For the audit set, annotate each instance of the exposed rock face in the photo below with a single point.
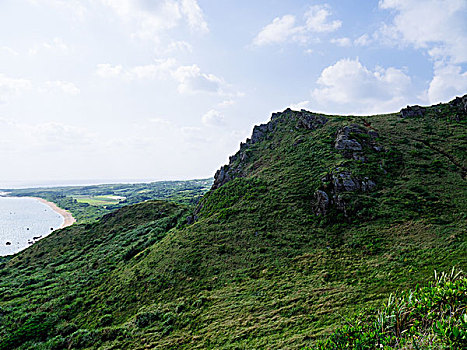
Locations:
(227, 173)
(345, 142)
(322, 202)
(309, 120)
(235, 168)
(351, 139)
(412, 111)
(460, 104)
(352, 142)
(336, 183)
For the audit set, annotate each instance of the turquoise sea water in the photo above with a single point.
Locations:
(24, 221)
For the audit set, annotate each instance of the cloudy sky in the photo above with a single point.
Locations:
(166, 89)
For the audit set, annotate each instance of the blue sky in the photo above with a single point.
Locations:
(167, 89)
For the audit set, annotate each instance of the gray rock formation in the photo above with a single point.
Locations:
(334, 185)
(412, 111)
(350, 141)
(322, 202)
(460, 104)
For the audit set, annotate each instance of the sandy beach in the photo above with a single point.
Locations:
(69, 219)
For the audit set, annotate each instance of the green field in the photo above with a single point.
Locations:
(99, 200)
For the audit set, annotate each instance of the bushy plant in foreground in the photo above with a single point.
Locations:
(431, 317)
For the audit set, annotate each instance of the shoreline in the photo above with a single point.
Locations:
(68, 218)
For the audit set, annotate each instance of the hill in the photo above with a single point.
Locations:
(316, 217)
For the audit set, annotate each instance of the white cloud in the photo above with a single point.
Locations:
(317, 19)
(151, 18)
(58, 134)
(9, 51)
(448, 81)
(348, 83)
(194, 15)
(226, 103)
(299, 105)
(213, 118)
(76, 7)
(56, 45)
(106, 70)
(11, 87)
(194, 136)
(160, 122)
(439, 26)
(181, 46)
(280, 30)
(161, 68)
(363, 40)
(62, 86)
(284, 28)
(48, 136)
(343, 42)
(192, 80)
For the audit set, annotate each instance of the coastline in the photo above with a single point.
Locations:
(68, 218)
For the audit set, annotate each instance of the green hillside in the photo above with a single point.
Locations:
(314, 219)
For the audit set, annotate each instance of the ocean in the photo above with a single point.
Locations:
(24, 221)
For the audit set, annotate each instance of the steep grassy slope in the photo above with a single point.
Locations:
(50, 283)
(314, 218)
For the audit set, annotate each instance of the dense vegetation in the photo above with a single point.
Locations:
(88, 203)
(431, 317)
(266, 262)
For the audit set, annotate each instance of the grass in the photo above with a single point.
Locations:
(258, 269)
(99, 200)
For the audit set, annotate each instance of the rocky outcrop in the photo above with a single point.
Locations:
(322, 202)
(343, 181)
(310, 121)
(412, 111)
(334, 185)
(459, 105)
(302, 120)
(352, 141)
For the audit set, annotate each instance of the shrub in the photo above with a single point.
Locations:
(430, 316)
(106, 320)
(37, 327)
(145, 319)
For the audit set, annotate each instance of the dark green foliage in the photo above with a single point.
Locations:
(432, 317)
(35, 327)
(144, 319)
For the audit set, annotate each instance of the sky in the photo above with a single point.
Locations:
(132, 90)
